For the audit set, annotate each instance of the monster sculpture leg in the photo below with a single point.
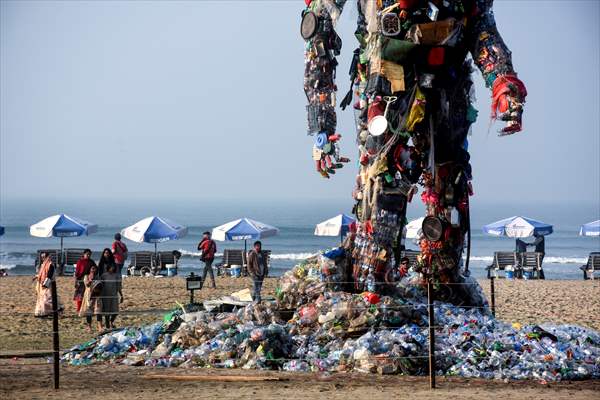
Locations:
(413, 112)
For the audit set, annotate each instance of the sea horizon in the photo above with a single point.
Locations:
(296, 218)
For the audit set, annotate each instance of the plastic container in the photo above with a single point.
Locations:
(236, 271)
(527, 275)
(510, 274)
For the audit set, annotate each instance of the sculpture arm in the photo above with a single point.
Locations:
(322, 45)
(493, 58)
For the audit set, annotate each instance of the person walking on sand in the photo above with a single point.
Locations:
(120, 252)
(82, 268)
(258, 269)
(207, 248)
(112, 295)
(43, 281)
(92, 298)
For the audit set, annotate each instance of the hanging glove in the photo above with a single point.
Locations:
(508, 97)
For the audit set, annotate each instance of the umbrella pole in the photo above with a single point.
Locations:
(245, 246)
(60, 263)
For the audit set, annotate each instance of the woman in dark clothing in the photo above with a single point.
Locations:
(84, 264)
(112, 295)
(106, 259)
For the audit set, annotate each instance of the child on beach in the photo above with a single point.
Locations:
(92, 301)
(111, 287)
(82, 268)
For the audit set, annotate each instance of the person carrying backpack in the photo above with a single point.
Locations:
(207, 248)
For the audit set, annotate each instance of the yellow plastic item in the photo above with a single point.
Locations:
(417, 111)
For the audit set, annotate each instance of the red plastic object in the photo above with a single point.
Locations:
(405, 3)
(334, 138)
(376, 108)
(372, 298)
(436, 56)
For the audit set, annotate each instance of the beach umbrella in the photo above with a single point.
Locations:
(154, 230)
(62, 226)
(413, 228)
(518, 227)
(336, 226)
(590, 229)
(243, 229)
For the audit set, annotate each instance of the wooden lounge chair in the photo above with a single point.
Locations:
(167, 257)
(411, 255)
(70, 257)
(54, 256)
(233, 257)
(532, 262)
(592, 265)
(142, 263)
(503, 259)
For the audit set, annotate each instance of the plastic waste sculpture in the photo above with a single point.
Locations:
(413, 97)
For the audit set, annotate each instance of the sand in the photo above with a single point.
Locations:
(146, 299)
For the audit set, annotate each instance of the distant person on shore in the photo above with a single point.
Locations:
(520, 246)
(120, 252)
(107, 259)
(207, 248)
(539, 245)
(258, 269)
(43, 279)
(92, 301)
(82, 268)
(112, 295)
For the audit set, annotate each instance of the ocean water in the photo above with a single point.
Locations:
(565, 250)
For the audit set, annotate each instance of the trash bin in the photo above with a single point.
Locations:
(171, 269)
(509, 272)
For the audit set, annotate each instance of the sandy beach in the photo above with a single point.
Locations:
(146, 299)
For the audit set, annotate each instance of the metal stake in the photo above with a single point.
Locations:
(431, 335)
(55, 337)
(493, 295)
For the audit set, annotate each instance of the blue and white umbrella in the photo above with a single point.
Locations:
(590, 229)
(243, 229)
(518, 227)
(154, 230)
(62, 226)
(336, 226)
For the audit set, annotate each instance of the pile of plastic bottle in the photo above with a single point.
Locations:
(338, 331)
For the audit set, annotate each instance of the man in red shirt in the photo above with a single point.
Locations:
(207, 248)
(119, 250)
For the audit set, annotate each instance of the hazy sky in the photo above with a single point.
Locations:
(203, 99)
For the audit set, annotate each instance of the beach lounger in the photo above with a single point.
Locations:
(592, 265)
(54, 255)
(71, 256)
(411, 255)
(167, 258)
(142, 263)
(503, 259)
(233, 257)
(531, 263)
